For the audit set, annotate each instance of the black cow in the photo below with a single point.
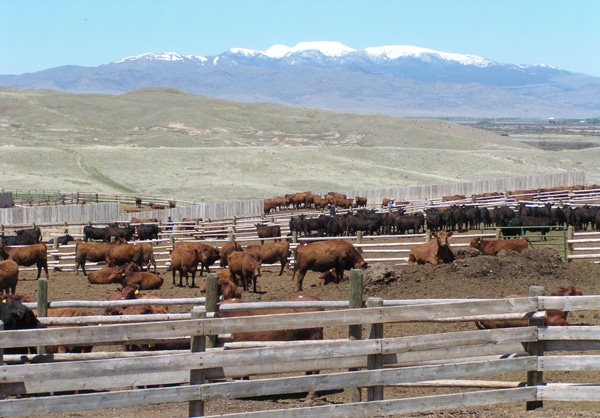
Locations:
(19, 240)
(520, 224)
(147, 231)
(268, 231)
(121, 232)
(405, 223)
(17, 316)
(318, 224)
(34, 233)
(64, 240)
(94, 233)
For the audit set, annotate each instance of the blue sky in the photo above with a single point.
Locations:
(41, 34)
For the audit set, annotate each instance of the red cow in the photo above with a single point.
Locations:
(208, 254)
(494, 246)
(135, 220)
(68, 313)
(271, 253)
(184, 261)
(148, 256)
(268, 231)
(125, 253)
(9, 276)
(553, 317)
(246, 266)
(109, 275)
(322, 256)
(225, 286)
(92, 251)
(144, 280)
(227, 249)
(27, 255)
(434, 252)
(122, 293)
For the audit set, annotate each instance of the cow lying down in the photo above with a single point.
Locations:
(553, 318)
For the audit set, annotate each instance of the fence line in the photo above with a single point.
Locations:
(417, 360)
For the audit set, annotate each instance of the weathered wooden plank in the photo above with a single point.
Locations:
(572, 332)
(558, 392)
(569, 363)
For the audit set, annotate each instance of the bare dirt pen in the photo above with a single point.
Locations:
(468, 277)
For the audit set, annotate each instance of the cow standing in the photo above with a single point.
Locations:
(271, 253)
(27, 256)
(323, 256)
(184, 261)
(246, 266)
(268, 231)
(9, 276)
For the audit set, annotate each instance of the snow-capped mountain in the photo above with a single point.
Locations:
(399, 80)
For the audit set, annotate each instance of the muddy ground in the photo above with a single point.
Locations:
(471, 276)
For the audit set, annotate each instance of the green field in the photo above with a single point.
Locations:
(163, 142)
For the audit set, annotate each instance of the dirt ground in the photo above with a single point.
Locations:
(470, 276)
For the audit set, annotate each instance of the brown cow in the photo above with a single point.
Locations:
(360, 201)
(184, 261)
(144, 280)
(67, 313)
(494, 246)
(554, 317)
(208, 253)
(92, 251)
(322, 256)
(148, 256)
(122, 293)
(434, 252)
(227, 249)
(271, 253)
(277, 335)
(125, 253)
(27, 255)
(225, 286)
(246, 266)
(138, 202)
(108, 275)
(268, 231)
(156, 206)
(135, 220)
(9, 276)
(188, 224)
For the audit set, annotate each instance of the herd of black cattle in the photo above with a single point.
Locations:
(514, 222)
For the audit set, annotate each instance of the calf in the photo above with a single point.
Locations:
(9, 276)
(434, 252)
(122, 293)
(494, 246)
(144, 280)
(109, 275)
(63, 240)
(27, 256)
(208, 253)
(225, 286)
(246, 266)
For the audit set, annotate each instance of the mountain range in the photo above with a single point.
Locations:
(395, 80)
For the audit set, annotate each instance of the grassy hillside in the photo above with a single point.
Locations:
(164, 142)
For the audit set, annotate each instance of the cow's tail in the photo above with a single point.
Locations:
(528, 242)
(295, 262)
(479, 325)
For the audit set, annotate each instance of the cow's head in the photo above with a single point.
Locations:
(442, 238)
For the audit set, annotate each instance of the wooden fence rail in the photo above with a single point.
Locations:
(415, 360)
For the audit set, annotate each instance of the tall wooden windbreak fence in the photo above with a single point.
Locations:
(55, 204)
(372, 362)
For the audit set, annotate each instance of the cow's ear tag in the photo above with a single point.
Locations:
(137, 291)
(3, 300)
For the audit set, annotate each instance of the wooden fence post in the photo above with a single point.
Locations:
(197, 376)
(535, 378)
(42, 304)
(212, 296)
(427, 235)
(498, 233)
(355, 331)
(569, 238)
(359, 240)
(375, 361)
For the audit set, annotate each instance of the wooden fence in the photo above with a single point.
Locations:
(459, 359)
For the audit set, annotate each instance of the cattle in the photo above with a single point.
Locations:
(295, 224)
(434, 219)
(125, 253)
(109, 275)
(24, 237)
(553, 317)
(63, 240)
(275, 252)
(135, 220)
(184, 261)
(144, 280)
(360, 201)
(246, 266)
(120, 232)
(268, 231)
(188, 224)
(147, 231)
(519, 224)
(93, 252)
(68, 313)
(435, 252)
(95, 233)
(318, 224)
(404, 223)
(227, 249)
(138, 202)
(225, 285)
(494, 246)
(146, 309)
(122, 293)
(156, 206)
(9, 276)
(322, 256)
(27, 256)
(17, 316)
(208, 253)
(148, 255)
(276, 335)
(172, 204)
(369, 223)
